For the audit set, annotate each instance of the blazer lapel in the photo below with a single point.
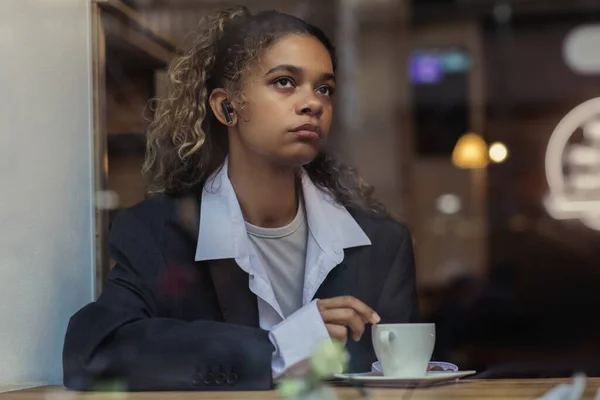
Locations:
(238, 304)
(341, 281)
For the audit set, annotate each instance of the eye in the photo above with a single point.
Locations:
(326, 90)
(284, 83)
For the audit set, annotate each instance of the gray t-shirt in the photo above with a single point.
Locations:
(283, 252)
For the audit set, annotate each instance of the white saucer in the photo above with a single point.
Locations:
(377, 379)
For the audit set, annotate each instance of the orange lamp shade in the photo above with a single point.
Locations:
(470, 152)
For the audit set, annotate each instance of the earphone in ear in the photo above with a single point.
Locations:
(227, 110)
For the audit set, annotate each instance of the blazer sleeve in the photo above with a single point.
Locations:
(122, 339)
(398, 302)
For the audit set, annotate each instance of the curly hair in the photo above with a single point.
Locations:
(185, 142)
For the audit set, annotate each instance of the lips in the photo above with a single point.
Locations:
(308, 130)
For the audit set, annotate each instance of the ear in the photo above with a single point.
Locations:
(216, 101)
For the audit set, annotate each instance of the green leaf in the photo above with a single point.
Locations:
(291, 387)
(329, 358)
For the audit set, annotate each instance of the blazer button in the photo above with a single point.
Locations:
(198, 378)
(232, 378)
(220, 379)
(209, 378)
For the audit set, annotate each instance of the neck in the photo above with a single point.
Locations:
(266, 192)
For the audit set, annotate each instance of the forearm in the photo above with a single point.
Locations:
(164, 354)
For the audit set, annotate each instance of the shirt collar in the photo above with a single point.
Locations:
(222, 232)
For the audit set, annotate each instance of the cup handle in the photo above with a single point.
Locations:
(386, 338)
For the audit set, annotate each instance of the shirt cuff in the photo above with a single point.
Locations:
(295, 340)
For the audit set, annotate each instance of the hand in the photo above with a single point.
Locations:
(340, 313)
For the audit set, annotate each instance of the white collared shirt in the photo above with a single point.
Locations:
(222, 235)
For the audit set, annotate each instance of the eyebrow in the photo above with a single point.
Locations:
(299, 71)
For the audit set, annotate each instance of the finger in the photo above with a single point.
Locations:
(341, 315)
(350, 302)
(347, 317)
(338, 332)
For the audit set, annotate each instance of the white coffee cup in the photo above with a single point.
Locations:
(404, 350)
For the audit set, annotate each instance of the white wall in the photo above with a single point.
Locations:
(46, 220)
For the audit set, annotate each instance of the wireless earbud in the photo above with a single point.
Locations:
(227, 110)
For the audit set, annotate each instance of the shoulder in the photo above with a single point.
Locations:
(381, 227)
(154, 208)
(154, 214)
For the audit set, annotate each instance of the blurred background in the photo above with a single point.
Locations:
(478, 123)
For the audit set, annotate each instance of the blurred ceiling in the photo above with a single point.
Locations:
(365, 4)
(422, 10)
(436, 10)
(519, 4)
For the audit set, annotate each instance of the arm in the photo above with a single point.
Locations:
(121, 336)
(297, 337)
(295, 340)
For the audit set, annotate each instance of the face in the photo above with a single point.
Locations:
(287, 112)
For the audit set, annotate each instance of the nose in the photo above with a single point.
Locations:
(312, 106)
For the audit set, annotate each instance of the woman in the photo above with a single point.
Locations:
(256, 245)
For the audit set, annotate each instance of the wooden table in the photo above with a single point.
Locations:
(467, 389)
